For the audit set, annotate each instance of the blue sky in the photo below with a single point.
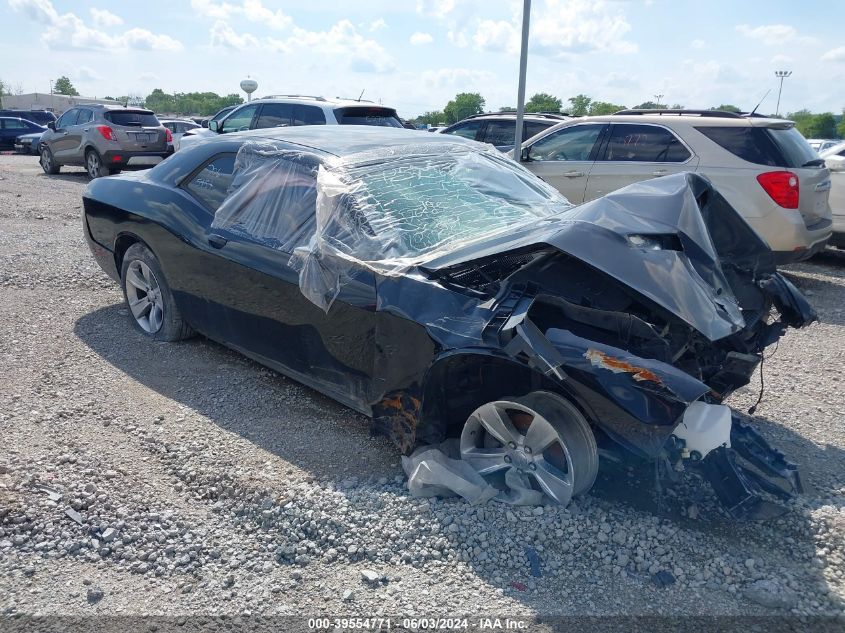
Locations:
(417, 54)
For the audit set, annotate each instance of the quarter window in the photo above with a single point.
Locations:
(211, 184)
(644, 143)
(570, 143)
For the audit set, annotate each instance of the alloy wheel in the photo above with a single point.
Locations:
(46, 161)
(542, 436)
(92, 162)
(143, 294)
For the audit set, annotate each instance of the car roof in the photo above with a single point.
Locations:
(344, 140)
(689, 119)
(333, 102)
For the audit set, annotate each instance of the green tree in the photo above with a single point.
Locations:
(463, 105)
(817, 126)
(650, 105)
(184, 103)
(840, 129)
(727, 108)
(580, 105)
(507, 109)
(598, 108)
(433, 118)
(65, 87)
(543, 102)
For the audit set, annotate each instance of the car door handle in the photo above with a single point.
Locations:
(86, 129)
(217, 241)
(574, 174)
(659, 172)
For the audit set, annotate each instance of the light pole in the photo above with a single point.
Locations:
(781, 74)
(658, 97)
(523, 65)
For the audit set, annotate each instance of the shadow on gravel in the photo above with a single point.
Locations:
(70, 176)
(213, 381)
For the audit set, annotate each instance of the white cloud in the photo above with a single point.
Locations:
(252, 10)
(69, 32)
(225, 36)
(343, 41)
(105, 18)
(86, 73)
(780, 59)
(438, 9)
(834, 55)
(418, 38)
(697, 44)
(458, 38)
(559, 28)
(772, 34)
(377, 25)
(457, 77)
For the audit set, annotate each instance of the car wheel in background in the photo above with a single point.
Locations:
(48, 163)
(94, 164)
(543, 436)
(148, 297)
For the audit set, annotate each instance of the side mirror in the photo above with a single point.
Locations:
(524, 154)
(204, 123)
(214, 126)
(52, 125)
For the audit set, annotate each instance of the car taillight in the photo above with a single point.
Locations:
(168, 135)
(782, 187)
(106, 132)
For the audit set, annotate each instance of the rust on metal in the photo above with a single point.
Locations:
(397, 414)
(617, 366)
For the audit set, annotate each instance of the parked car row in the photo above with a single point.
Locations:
(764, 167)
(834, 158)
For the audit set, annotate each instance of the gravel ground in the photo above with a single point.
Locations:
(177, 479)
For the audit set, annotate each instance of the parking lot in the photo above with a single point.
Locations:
(219, 486)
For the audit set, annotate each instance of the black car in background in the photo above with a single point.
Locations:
(40, 117)
(498, 128)
(11, 128)
(437, 286)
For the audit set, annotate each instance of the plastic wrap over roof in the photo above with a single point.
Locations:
(386, 209)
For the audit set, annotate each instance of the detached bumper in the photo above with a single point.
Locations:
(741, 474)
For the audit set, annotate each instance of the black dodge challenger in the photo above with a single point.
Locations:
(436, 286)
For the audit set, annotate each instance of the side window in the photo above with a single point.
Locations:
(240, 119)
(170, 126)
(308, 115)
(272, 202)
(644, 143)
(274, 115)
(570, 143)
(467, 130)
(67, 119)
(211, 183)
(533, 128)
(85, 116)
(14, 124)
(499, 132)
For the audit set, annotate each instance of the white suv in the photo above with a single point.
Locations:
(762, 166)
(284, 110)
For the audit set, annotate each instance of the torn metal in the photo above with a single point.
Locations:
(481, 281)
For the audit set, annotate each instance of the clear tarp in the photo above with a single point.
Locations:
(385, 210)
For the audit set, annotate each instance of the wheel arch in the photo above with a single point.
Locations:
(460, 381)
(122, 244)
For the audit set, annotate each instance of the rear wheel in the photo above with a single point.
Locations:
(541, 435)
(48, 163)
(148, 297)
(94, 165)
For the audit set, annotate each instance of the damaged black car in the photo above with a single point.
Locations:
(436, 286)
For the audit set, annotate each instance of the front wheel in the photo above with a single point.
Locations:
(94, 165)
(542, 436)
(148, 297)
(48, 163)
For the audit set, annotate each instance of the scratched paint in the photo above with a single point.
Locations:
(617, 366)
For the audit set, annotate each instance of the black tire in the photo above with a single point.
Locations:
(48, 163)
(94, 164)
(169, 324)
(114, 170)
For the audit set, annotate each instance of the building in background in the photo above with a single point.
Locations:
(52, 102)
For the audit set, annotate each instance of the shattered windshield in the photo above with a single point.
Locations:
(415, 205)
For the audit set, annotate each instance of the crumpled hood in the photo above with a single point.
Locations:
(684, 275)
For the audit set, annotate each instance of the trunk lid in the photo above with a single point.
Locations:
(137, 130)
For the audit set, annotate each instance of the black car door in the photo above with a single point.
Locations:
(252, 298)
